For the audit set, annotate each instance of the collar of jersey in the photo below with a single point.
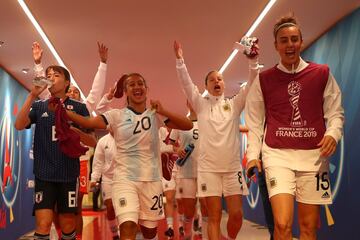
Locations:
(133, 110)
(215, 98)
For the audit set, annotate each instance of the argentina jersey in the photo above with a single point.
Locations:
(189, 169)
(137, 142)
(50, 164)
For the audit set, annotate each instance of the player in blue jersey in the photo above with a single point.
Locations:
(56, 174)
(137, 187)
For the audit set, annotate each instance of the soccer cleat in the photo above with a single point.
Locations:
(196, 224)
(169, 233)
(167, 164)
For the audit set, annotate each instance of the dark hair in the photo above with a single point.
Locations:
(125, 77)
(207, 76)
(286, 21)
(62, 70)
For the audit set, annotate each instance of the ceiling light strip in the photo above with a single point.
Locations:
(249, 32)
(47, 41)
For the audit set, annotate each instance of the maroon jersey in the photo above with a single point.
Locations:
(294, 106)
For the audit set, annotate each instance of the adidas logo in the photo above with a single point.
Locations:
(45, 114)
(128, 120)
(325, 195)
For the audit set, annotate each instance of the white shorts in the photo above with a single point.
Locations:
(217, 184)
(137, 201)
(307, 187)
(106, 190)
(186, 188)
(169, 185)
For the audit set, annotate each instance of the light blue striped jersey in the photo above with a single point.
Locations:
(189, 169)
(137, 144)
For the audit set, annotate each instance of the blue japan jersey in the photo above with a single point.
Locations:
(50, 164)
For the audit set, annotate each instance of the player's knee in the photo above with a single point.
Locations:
(308, 228)
(283, 226)
(128, 229)
(236, 216)
(148, 233)
(43, 225)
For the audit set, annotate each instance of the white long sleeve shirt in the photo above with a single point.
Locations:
(104, 104)
(218, 122)
(104, 159)
(301, 160)
(97, 88)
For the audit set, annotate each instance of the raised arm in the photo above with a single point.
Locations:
(98, 85)
(37, 52)
(175, 121)
(253, 62)
(23, 119)
(191, 91)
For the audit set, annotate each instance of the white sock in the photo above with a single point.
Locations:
(181, 220)
(170, 222)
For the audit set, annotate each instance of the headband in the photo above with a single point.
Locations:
(286, 24)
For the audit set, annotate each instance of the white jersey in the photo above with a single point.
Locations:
(104, 159)
(218, 121)
(189, 169)
(137, 144)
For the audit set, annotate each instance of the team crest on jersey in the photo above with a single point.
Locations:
(38, 197)
(122, 202)
(226, 107)
(273, 182)
(203, 187)
(70, 107)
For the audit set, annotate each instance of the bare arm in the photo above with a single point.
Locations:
(87, 122)
(86, 138)
(175, 121)
(22, 119)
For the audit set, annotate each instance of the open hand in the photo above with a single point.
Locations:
(103, 52)
(328, 146)
(37, 52)
(178, 50)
